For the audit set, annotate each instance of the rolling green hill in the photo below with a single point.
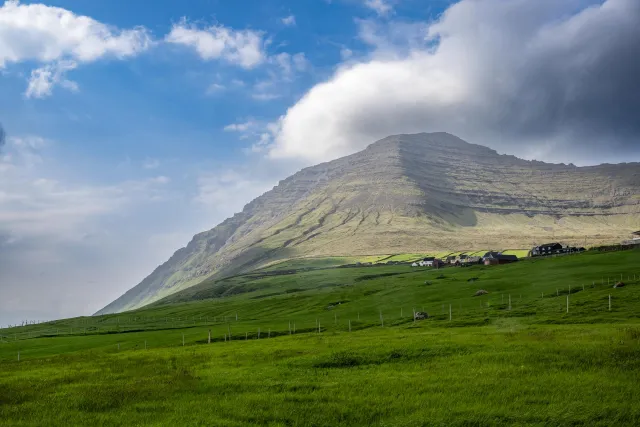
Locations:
(424, 193)
(512, 357)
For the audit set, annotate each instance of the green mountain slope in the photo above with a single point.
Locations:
(407, 193)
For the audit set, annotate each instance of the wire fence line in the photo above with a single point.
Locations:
(196, 330)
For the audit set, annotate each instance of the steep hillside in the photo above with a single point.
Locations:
(408, 193)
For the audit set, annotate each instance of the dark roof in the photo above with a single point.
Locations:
(637, 233)
(508, 257)
(429, 258)
(491, 255)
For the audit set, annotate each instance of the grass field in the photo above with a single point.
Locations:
(487, 363)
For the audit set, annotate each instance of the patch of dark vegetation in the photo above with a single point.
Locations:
(352, 359)
(294, 290)
(331, 285)
(335, 304)
(375, 276)
(441, 276)
(225, 290)
(371, 292)
(273, 294)
(473, 279)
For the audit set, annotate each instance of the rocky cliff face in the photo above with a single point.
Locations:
(408, 193)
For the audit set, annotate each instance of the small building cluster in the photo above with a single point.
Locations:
(464, 260)
(554, 249)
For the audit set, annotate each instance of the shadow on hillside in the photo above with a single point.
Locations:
(430, 162)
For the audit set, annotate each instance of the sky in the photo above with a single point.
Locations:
(130, 128)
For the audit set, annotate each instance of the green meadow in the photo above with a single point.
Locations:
(552, 343)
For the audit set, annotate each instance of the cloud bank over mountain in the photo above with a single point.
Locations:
(541, 79)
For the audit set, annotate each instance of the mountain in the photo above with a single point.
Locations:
(408, 193)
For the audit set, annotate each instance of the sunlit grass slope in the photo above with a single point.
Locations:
(512, 357)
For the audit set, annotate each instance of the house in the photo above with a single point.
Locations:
(490, 255)
(451, 259)
(547, 249)
(437, 263)
(635, 236)
(470, 260)
(497, 259)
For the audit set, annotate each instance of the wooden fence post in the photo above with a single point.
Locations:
(349, 325)
(183, 340)
(209, 339)
(450, 315)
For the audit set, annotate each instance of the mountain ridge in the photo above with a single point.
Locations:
(409, 192)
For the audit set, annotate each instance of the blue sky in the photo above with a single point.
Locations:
(134, 125)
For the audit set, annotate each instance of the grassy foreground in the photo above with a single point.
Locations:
(498, 375)
(529, 364)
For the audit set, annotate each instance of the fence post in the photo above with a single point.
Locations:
(450, 316)
(269, 333)
(609, 302)
(567, 303)
(509, 302)
(183, 340)
(349, 325)
(381, 319)
(209, 340)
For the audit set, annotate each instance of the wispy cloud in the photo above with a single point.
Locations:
(381, 7)
(289, 21)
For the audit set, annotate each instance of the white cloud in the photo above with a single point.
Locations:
(513, 75)
(43, 79)
(244, 48)
(61, 40)
(240, 127)
(215, 88)
(345, 53)
(381, 7)
(289, 21)
(151, 163)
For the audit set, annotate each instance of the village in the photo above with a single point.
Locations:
(498, 258)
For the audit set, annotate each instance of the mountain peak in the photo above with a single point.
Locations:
(408, 193)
